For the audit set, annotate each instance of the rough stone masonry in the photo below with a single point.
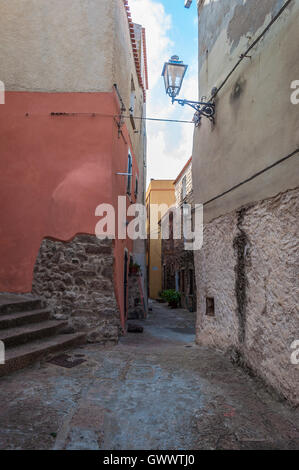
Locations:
(249, 266)
(76, 280)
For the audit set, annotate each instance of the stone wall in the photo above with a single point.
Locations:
(76, 280)
(248, 267)
(176, 259)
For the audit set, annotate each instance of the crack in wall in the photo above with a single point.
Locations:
(241, 246)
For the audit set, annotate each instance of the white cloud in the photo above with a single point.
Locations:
(169, 144)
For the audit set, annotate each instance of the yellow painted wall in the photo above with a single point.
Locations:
(158, 192)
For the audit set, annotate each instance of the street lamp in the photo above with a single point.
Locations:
(188, 3)
(173, 73)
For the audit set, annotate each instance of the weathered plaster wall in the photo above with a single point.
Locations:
(249, 260)
(70, 46)
(76, 280)
(47, 46)
(256, 123)
(55, 170)
(54, 175)
(249, 264)
(124, 71)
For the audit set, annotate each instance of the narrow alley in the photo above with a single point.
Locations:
(153, 390)
(149, 249)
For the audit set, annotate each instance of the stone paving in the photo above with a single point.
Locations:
(154, 390)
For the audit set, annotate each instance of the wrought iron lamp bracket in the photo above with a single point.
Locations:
(202, 108)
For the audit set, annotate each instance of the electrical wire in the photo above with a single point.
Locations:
(243, 56)
(159, 119)
(253, 176)
(91, 114)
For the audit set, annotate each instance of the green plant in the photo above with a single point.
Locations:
(172, 296)
(134, 267)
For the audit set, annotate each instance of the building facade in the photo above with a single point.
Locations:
(178, 263)
(246, 173)
(160, 193)
(70, 142)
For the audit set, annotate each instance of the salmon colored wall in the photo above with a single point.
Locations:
(54, 172)
(120, 164)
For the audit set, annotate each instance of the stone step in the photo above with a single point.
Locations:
(21, 318)
(10, 303)
(20, 335)
(26, 354)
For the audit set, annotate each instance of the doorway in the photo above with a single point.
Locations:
(125, 283)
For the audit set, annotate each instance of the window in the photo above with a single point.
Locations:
(132, 104)
(129, 180)
(184, 187)
(136, 187)
(210, 306)
(192, 221)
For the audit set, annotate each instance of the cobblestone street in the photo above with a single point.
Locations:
(154, 390)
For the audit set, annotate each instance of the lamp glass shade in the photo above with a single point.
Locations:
(173, 74)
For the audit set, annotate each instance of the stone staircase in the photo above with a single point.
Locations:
(28, 333)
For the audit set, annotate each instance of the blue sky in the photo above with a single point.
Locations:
(184, 28)
(170, 29)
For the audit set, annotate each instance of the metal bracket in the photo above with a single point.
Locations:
(121, 120)
(202, 108)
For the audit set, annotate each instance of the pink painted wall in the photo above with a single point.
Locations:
(54, 172)
(120, 165)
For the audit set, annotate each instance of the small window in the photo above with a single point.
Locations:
(129, 180)
(210, 306)
(136, 187)
(184, 187)
(132, 104)
(192, 220)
